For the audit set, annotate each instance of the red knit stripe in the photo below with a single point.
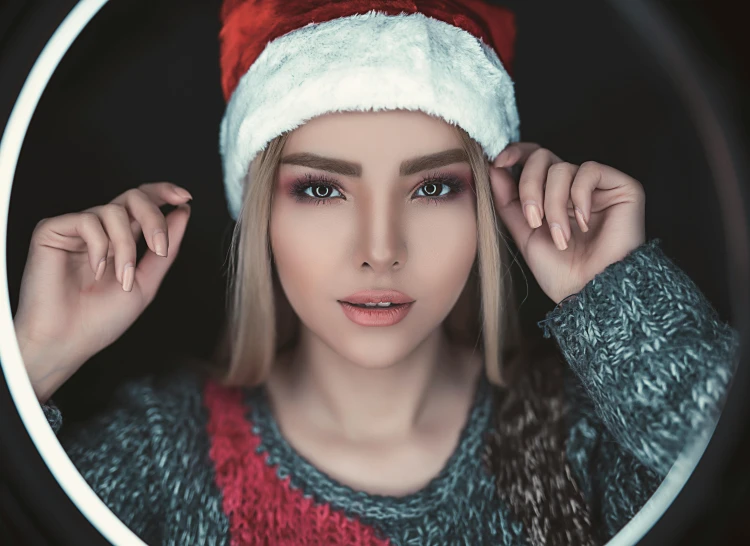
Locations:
(262, 509)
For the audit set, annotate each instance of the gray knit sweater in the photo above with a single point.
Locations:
(570, 458)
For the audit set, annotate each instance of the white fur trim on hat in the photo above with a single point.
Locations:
(364, 62)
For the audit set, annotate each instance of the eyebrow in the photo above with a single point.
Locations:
(346, 168)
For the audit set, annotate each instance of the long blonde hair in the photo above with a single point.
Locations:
(261, 322)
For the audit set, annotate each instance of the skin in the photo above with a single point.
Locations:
(600, 211)
(379, 408)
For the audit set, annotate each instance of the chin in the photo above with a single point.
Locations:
(375, 354)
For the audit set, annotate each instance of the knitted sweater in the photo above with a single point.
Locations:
(568, 458)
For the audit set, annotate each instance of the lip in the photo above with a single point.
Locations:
(377, 296)
(386, 316)
(376, 316)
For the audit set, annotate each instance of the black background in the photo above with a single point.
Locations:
(137, 99)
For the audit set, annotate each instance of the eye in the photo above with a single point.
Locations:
(434, 189)
(322, 191)
(439, 188)
(317, 190)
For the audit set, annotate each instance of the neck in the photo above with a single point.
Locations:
(363, 403)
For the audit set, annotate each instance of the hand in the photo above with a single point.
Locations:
(81, 288)
(589, 216)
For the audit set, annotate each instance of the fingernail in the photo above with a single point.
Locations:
(579, 215)
(160, 242)
(100, 268)
(128, 277)
(559, 238)
(183, 193)
(534, 216)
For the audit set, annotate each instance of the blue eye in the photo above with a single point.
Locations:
(434, 189)
(317, 190)
(439, 188)
(321, 191)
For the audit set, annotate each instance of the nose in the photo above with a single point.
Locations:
(381, 243)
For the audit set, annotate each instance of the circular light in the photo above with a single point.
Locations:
(66, 474)
(77, 489)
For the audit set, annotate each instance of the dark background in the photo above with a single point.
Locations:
(137, 99)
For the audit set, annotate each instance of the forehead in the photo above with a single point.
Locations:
(393, 134)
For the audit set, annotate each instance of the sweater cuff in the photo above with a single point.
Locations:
(650, 351)
(53, 415)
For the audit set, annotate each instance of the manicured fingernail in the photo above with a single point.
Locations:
(579, 215)
(533, 216)
(559, 237)
(100, 268)
(128, 277)
(183, 193)
(160, 242)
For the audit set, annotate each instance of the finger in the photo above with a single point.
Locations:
(161, 193)
(147, 219)
(152, 269)
(90, 229)
(508, 206)
(116, 222)
(591, 176)
(517, 152)
(531, 184)
(556, 197)
(68, 231)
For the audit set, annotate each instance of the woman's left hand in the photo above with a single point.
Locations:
(608, 225)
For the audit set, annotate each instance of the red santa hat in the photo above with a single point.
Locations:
(284, 62)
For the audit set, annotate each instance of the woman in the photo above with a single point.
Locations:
(372, 388)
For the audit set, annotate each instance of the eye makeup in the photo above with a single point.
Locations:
(319, 189)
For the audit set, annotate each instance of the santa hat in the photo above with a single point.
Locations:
(284, 62)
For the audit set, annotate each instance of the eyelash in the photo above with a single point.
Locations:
(299, 188)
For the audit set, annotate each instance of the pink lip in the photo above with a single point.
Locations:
(375, 316)
(385, 316)
(377, 296)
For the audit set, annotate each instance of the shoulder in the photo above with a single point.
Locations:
(147, 456)
(161, 402)
(161, 389)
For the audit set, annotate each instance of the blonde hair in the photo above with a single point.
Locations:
(261, 322)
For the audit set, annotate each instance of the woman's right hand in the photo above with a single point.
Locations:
(81, 287)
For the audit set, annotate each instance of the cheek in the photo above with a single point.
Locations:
(304, 244)
(443, 249)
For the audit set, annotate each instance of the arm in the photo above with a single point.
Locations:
(116, 453)
(651, 364)
(614, 483)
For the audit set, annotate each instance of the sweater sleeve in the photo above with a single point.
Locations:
(117, 452)
(651, 366)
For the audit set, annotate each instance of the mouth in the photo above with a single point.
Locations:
(377, 307)
(372, 299)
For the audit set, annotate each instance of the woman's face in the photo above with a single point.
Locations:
(371, 201)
